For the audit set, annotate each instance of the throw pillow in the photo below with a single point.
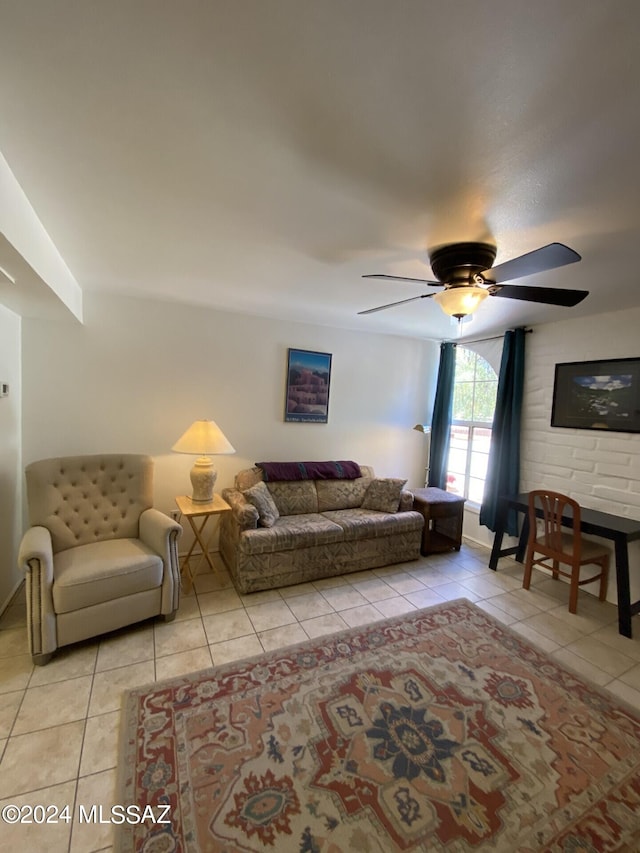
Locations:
(383, 495)
(261, 499)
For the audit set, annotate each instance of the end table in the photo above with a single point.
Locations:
(192, 510)
(443, 516)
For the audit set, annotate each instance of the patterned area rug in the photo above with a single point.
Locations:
(438, 730)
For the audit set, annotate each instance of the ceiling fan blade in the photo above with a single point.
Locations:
(546, 258)
(402, 278)
(544, 295)
(392, 304)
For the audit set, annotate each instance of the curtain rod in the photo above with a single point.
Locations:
(482, 340)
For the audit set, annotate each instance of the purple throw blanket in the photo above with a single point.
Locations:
(310, 470)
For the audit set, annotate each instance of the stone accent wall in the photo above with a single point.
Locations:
(598, 468)
(601, 470)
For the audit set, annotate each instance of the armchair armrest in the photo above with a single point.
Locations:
(36, 553)
(35, 558)
(157, 530)
(244, 514)
(161, 534)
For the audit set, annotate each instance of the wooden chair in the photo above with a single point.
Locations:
(548, 542)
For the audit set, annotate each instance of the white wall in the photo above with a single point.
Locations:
(10, 455)
(138, 372)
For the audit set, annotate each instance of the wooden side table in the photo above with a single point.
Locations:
(443, 516)
(193, 510)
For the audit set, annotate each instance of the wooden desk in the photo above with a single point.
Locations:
(192, 510)
(618, 529)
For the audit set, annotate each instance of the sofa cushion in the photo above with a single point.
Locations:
(369, 524)
(294, 498)
(383, 495)
(341, 494)
(292, 531)
(103, 571)
(260, 497)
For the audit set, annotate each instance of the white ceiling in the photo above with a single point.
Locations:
(262, 155)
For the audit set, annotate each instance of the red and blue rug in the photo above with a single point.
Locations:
(441, 730)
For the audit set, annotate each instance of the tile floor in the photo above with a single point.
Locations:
(59, 723)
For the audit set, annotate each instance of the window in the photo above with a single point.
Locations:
(474, 400)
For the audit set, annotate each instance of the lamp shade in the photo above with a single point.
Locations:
(460, 301)
(203, 438)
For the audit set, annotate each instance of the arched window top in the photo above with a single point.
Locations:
(475, 388)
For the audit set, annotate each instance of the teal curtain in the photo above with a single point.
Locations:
(503, 474)
(441, 421)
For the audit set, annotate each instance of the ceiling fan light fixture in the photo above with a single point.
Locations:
(461, 301)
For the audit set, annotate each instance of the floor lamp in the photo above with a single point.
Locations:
(426, 430)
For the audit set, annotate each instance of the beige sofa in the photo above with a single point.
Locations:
(322, 529)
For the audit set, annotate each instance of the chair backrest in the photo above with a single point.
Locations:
(549, 526)
(83, 499)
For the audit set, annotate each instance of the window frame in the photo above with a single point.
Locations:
(471, 425)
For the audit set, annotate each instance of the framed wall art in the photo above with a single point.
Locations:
(597, 395)
(307, 392)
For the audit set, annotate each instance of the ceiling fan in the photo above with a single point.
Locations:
(464, 271)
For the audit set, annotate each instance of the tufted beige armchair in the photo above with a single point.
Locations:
(97, 556)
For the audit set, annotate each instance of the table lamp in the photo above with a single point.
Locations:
(202, 439)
